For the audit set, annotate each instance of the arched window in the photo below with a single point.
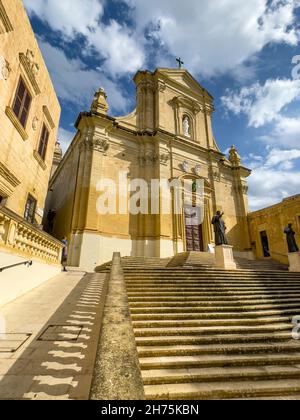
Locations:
(186, 126)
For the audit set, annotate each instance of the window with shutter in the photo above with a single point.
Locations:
(42, 150)
(22, 103)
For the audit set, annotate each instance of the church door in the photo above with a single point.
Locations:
(193, 230)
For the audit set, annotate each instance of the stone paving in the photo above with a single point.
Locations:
(51, 339)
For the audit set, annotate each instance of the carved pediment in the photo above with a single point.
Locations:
(181, 77)
(31, 69)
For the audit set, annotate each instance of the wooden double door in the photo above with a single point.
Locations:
(193, 230)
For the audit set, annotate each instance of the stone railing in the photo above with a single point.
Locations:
(21, 238)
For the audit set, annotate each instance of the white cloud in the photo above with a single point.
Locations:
(262, 104)
(117, 45)
(65, 137)
(286, 132)
(278, 156)
(268, 187)
(68, 16)
(267, 106)
(212, 38)
(76, 83)
(273, 178)
(113, 42)
(215, 38)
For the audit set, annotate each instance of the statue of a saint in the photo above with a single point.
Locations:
(220, 229)
(290, 237)
(186, 126)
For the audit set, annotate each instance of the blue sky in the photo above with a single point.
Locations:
(241, 52)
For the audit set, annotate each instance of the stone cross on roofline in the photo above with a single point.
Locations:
(180, 62)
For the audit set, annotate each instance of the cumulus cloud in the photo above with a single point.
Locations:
(211, 38)
(268, 187)
(274, 177)
(76, 83)
(262, 104)
(267, 106)
(112, 42)
(286, 132)
(68, 16)
(216, 38)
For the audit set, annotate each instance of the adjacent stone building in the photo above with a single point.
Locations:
(168, 136)
(29, 118)
(267, 229)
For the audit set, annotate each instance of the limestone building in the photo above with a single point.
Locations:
(29, 115)
(168, 136)
(29, 118)
(267, 229)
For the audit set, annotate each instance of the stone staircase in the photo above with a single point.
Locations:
(136, 263)
(204, 333)
(260, 265)
(205, 259)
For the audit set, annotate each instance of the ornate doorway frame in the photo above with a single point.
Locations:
(179, 227)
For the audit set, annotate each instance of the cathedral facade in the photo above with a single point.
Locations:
(169, 136)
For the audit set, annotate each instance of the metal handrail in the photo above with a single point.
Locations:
(28, 263)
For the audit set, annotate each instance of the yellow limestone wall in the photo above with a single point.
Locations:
(21, 171)
(273, 220)
(149, 144)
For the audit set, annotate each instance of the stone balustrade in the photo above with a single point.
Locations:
(19, 237)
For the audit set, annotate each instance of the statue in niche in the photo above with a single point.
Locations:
(186, 125)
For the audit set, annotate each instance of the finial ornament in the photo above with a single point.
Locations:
(99, 104)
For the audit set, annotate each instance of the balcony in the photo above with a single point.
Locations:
(21, 238)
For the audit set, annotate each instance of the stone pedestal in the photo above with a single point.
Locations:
(294, 262)
(224, 257)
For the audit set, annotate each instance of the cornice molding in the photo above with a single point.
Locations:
(5, 23)
(11, 115)
(39, 159)
(48, 117)
(9, 176)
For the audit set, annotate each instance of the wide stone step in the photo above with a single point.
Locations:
(225, 289)
(136, 276)
(235, 295)
(176, 362)
(177, 376)
(219, 305)
(257, 298)
(146, 332)
(167, 306)
(181, 315)
(238, 300)
(220, 290)
(181, 280)
(215, 339)
(229, 349)
(241, 287)
(223, 390)
(206, 269)
(200, 285)
(197, 286)
(211, 322)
